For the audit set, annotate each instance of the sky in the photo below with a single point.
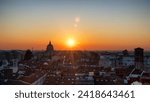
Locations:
(92, 24)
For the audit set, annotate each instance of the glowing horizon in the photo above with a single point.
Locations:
(93, 24)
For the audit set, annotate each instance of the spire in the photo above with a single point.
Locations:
(49, 42)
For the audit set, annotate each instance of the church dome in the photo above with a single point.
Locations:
(50, 48)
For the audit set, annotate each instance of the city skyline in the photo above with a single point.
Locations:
(77, 25)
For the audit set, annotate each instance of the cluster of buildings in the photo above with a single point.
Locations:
(25, 67)
(74, 67)
(130, 66)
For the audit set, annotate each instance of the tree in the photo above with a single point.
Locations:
(28, 55)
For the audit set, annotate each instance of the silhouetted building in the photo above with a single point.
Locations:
(125, 52)
(49, 50)
(139, 58)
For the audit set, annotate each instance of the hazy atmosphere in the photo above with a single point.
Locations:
(75, 24)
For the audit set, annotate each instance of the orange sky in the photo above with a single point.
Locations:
(99, 25)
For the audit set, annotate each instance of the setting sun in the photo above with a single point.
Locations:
(71, 42)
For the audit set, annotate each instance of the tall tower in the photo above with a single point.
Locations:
(139, 58)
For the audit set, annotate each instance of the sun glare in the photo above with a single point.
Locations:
(71, 42)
